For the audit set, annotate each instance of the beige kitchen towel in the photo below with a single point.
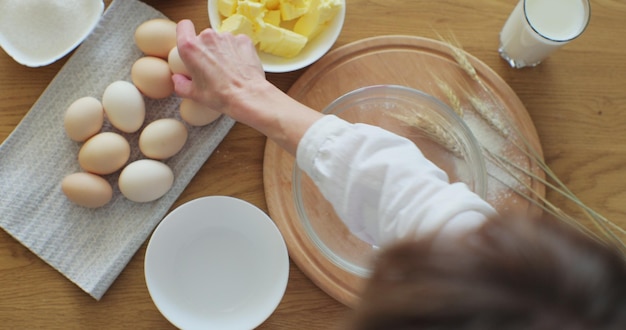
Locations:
(90, 247)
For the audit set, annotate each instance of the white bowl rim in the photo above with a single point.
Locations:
(26, 59)
(195, 217)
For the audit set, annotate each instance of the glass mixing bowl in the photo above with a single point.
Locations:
(442, 136)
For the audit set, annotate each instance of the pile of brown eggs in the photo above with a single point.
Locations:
(122, 104)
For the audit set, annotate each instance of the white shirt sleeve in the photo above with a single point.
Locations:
(381, 185)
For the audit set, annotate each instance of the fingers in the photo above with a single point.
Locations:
(182, 85)
(244, 45)
(243, 41)
(185, 31)
(219, 64)
(248, 54)
(185, 37)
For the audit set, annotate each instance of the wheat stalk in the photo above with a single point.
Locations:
(488, 107)
(533, 196)
(435, 132)
(453, 99)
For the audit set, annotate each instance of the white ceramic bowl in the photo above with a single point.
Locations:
(216, 263)
(313, 50)
(38, 33)
(460, 157)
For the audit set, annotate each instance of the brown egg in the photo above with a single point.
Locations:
(104, 153)
(176, 63)
(162, 138)
(83, 118)
(152, 76)
(86, 189)
(124, 106)
(196, 114)
(156, 37)
(145, 180)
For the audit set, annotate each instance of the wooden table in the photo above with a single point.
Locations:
(577, 100)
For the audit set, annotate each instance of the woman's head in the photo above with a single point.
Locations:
(522, 274)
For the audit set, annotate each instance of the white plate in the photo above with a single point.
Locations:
(311, 52)
(39, 32)
(216, 263)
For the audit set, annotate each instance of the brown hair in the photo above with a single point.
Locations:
(530, 274)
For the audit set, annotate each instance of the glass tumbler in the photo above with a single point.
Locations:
(537, 28)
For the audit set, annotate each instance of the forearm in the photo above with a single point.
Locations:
(273, 113)
(382, 186)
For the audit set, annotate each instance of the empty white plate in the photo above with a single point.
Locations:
(216, 263)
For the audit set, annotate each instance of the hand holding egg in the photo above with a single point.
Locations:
(218, 62)
(176, 63)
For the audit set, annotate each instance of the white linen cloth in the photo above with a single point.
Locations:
(89, 246)
(382, 186)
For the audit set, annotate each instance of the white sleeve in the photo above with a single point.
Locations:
(382, 186)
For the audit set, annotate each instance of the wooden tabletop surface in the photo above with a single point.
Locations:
(576, 99)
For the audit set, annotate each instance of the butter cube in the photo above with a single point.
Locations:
(250, 9)
(328, 9)
(320, 13)
(272, 17)
(272, 4)
(238, 24)
(226, 7)
(292, 9)
(278, 27)
(279, 41)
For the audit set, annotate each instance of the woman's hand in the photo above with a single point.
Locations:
(227, 76)
(224, 67)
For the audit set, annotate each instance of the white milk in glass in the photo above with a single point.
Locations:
(536, 28)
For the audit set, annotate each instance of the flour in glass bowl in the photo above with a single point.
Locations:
(501, 183)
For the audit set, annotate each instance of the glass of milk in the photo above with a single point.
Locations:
(536, 28)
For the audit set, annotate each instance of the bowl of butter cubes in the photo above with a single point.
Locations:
(288, 34)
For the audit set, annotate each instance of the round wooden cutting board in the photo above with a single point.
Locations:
(502, 127)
